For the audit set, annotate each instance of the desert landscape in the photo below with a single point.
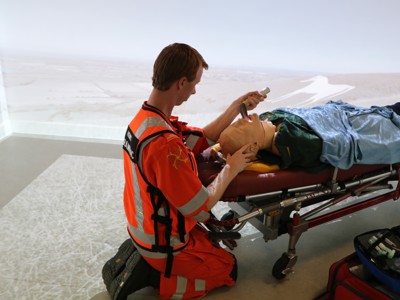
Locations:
(95, 99)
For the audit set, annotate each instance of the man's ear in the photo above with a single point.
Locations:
(181, 82)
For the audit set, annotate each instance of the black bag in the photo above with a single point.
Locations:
(379, 252)
(112, 272)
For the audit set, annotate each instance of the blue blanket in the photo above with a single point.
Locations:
(354, 135)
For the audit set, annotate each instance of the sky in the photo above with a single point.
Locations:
(341, 36)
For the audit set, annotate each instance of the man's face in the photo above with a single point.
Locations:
(189, 87)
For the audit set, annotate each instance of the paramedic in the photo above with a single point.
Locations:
(163, 198)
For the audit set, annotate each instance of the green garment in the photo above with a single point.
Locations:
(299, 146)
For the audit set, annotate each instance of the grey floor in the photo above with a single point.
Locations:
(22, 159)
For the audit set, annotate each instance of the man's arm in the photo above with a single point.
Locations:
(234, 165)
(214, 129)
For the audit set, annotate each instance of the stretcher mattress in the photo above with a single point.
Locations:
(249, 183)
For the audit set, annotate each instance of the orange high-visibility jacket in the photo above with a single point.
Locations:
(163, 196)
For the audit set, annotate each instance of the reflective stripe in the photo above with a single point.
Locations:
(139, 231)
(202, 216)
(191, 141)
(180, 287)
(195, 203)
(137, 198)
(147, 124)
(144, 144)
(210, 142)
(150, 238)
(151, 254)
(155, 255)
(144, 133)
(150, 122)
(199, 285)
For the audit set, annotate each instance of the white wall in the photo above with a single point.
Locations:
(5, 127)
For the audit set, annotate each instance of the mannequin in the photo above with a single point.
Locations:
(336, 133)
(259, 134)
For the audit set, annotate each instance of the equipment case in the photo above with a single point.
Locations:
(348, 279)
(379, 252)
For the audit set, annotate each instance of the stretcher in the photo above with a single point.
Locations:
(292, 201)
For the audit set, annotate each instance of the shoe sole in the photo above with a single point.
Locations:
(114, 267)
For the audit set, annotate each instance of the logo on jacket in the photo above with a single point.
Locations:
(177, 158)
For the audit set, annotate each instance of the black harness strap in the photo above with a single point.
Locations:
(132, 146)
(181, 227)
(165, 220)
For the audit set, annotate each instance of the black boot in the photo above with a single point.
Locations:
(137, 275)
(115, 266)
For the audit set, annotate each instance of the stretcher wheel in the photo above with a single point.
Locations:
(280, 267)
(230, 215)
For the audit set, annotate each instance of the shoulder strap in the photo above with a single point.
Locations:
(133, 146)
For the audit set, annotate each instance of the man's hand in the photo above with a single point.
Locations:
(240, 159)
(235, 164)
(252, 99)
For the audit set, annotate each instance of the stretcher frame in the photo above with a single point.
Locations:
(333, 194)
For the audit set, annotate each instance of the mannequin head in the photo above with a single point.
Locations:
(259, 134)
